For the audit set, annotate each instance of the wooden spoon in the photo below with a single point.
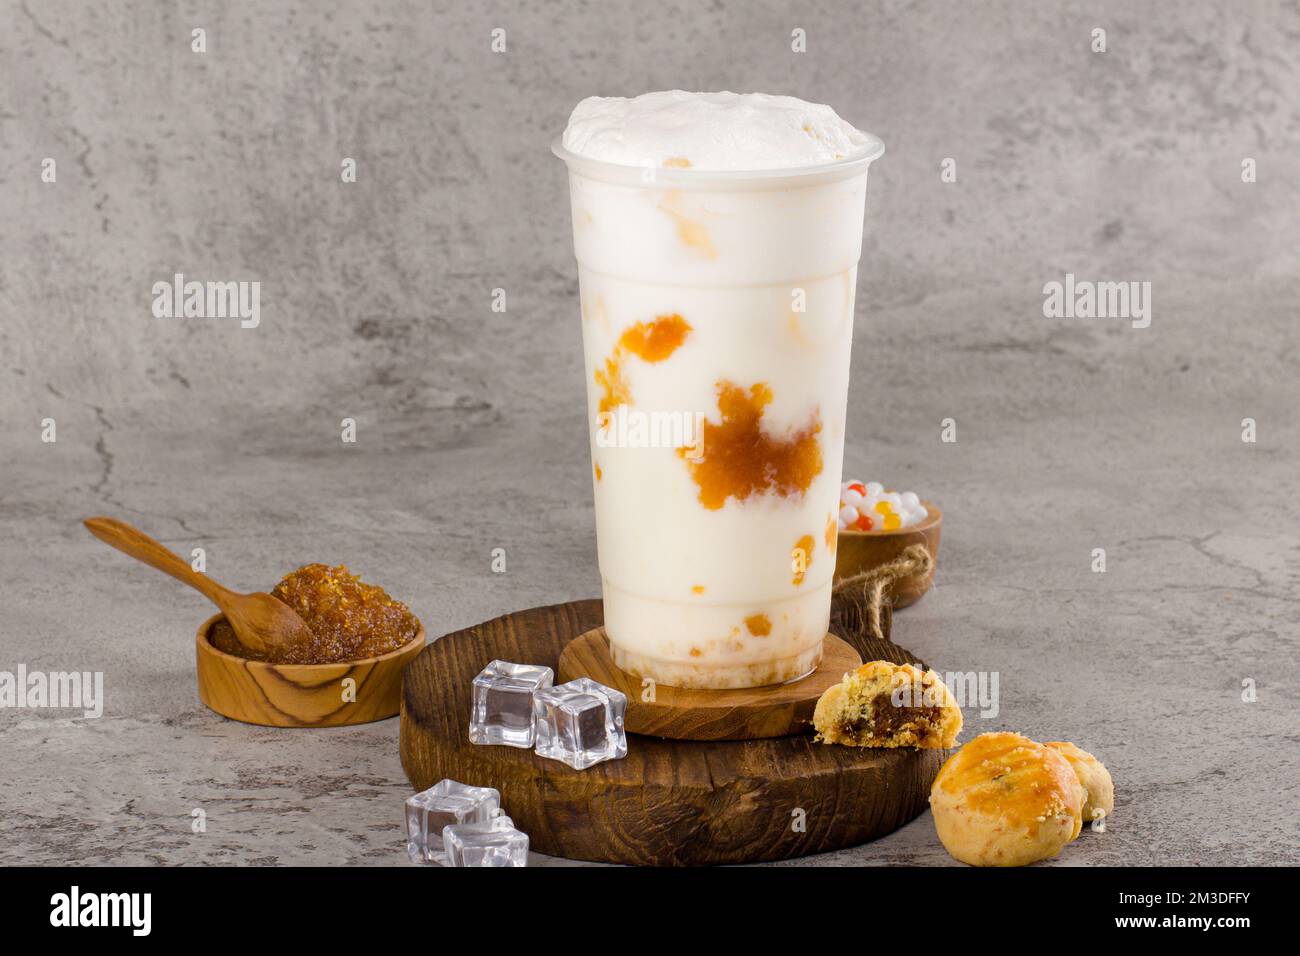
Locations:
(262, 624)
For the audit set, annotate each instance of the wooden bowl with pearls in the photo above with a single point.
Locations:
(859, 551)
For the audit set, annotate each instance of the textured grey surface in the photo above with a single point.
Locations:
(1072, 435)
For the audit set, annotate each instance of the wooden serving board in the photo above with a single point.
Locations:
(668, 802)
(683, 714)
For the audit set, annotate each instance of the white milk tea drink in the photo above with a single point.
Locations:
(717, 238)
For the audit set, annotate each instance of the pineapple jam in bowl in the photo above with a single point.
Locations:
(349, 673)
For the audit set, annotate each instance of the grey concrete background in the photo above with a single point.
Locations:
(1072, 435)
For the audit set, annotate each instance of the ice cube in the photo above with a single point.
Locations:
(494, 843)
(580, 723)
(502, 712)
(445, 803)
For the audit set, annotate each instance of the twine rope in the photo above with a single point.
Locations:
(866, 591)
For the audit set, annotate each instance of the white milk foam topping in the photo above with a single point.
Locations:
(710, 131)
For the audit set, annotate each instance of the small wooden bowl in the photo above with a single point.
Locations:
(301, 695)
(859, 551)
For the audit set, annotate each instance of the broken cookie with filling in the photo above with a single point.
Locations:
(888, 705)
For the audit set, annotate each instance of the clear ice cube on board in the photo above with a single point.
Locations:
(502, 709)
(580, 723)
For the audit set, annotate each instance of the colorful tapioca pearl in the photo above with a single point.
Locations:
(887, 510)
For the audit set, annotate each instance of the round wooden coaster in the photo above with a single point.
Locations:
(684, 714)
(668, 802)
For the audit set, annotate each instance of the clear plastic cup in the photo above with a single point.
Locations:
(717, 318)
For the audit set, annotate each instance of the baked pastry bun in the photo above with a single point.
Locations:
(1004, 800)
(1099, 799)
(888, 705)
